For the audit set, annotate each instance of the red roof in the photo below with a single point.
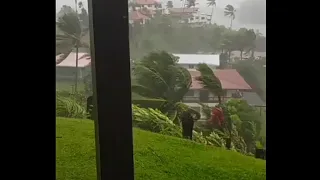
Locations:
(230, 80)
(136, 15)
(146, 2)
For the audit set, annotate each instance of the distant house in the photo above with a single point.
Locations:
(137, 17)
(191, 61)
(67, 68)
(231, 81)
(148, 4)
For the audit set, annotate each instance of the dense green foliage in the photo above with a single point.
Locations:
(244, 125)
(254, 72)
(158, 76)
(156, 157)
(165, 33)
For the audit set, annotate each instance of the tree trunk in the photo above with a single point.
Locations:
(241, 55)
(76, 78)
(211, 15)
(219, 99)
(229, 56)
(231, 23)
(252, 53)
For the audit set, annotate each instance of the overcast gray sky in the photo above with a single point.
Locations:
(251, 15)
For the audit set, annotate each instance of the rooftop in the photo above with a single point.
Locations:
(210, 59)
(70, 61)
(136, 15)
(230, 79)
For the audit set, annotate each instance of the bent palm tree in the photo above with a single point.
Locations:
(213, 4)
(69, 38)
(229, 10)
(210, 81)
(158, 76)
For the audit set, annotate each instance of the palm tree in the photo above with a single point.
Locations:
(169, 4)
(251, 37)
(229, 10)
(71, 33)
(210, 81)
(213, 4)
(191, 3)
(158, 76)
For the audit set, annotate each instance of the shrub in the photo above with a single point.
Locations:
(68, 107)
(155, 121)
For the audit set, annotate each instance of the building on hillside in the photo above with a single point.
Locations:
(148, 4)
(199, 19)
(67, 68)
(232, 83)
(181, 12)
(189, 15)
(191, 61)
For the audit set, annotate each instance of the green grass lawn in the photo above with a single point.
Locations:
(156, 157)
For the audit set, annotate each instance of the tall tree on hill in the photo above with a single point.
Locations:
(230, 11)
(251, 37)
(169, 4)
(211, 3)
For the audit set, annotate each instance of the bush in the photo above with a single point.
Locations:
(155, 121)
(68, 107)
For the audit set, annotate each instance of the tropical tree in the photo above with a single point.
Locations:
(71, 33)
(210, 81)
(191, 3)
(251, 36)
(158, 76)
(211, 3)
(230, 11)
(242, 41)
(169, 4)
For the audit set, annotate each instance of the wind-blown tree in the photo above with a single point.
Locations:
(210, 81)
(228, 43)
(158, 76)
(251, 37)
(213, 4)
(230, 11)
(169, 4)
(71, 33)
(242, 41)
(191, 3)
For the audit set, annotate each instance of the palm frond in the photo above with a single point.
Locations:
(152, 73)
(69, 24)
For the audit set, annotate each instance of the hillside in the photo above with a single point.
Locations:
(157, 157)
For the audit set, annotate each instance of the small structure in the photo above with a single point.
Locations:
(191, 61)
(232, 82)
(137, 17)
(67, 68)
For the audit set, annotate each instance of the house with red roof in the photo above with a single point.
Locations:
(232, 83)
(149, 4)
(65, 69)
(138, 17)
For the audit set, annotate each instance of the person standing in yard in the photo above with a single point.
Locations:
(217, 117)
(187, 121)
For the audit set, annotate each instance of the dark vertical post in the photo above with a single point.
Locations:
(112, 88)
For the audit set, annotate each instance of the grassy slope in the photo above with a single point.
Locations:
(157, 157)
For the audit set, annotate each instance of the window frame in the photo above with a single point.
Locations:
(112, 104)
